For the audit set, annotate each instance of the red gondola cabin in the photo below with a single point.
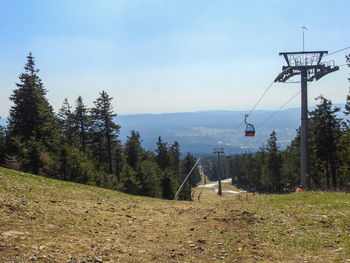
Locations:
(249, 130)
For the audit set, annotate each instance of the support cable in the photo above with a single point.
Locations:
(337, 51)
(250, 112)
(273, 114)
(261, 98)
(280, 108)
(180, 188)
(268, 87)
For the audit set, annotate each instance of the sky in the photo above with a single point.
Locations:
(160, 56)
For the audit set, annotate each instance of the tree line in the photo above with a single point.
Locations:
(82, 145)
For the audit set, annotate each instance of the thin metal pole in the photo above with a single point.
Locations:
(303, 28)
(218, 151)
(219, 174)
(304, 137)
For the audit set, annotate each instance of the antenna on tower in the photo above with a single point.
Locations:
(303, 28)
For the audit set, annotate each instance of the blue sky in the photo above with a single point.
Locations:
(170, 56)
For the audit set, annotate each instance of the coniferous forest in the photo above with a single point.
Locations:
(81, 144)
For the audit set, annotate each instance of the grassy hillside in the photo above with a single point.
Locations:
(45, 220)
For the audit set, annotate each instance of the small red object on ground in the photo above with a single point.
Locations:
(220, 192)
(298, 190)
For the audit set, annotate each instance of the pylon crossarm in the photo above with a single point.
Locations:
(291, 57)
(326, 71)
(286, 74)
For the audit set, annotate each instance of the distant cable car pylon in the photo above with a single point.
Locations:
(249, 128)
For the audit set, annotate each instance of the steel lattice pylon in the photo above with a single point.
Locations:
(308, 65)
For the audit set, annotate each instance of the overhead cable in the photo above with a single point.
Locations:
(336, 51)
(269, 117)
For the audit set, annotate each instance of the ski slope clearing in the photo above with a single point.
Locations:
(45, 220)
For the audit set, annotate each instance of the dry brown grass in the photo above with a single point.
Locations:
(44, 220)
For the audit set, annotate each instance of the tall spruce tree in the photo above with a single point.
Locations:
(2, 144)
(65, 116)
(119, 159)
(273, 164)
(291, 164)
(324, 134)
(31, 115)
(104, 128)
(175, 154)
(150, 179)
(344, 145)
(163, 156)
(32, 123)
(82, 123)
(133, 149)
(236, 166)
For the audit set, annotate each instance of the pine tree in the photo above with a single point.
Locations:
(82, 123)
(169, 184)
(344, 161)
(31, 115)
(150, 179)
(325, 134)
(347, 106)
(236, 170)
(133, 149)
(175, 157)
(163, 156)
(65, 116)
(32, 123)
(253, 178)
(119, 159)
(291, 164)
(273, 163)
(130, 183)
(104, 129)
(2, 144)
(344, 145)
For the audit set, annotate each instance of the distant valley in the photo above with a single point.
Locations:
(199, 132)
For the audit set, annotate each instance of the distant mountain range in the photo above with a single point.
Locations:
(199, 132)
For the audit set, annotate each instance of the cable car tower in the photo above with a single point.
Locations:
(219, 151)
(308, 65)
